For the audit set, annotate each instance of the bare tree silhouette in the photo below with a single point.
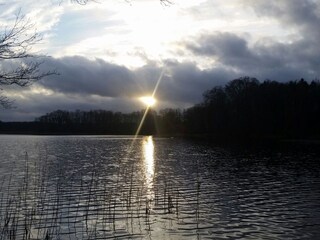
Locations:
(18, 65)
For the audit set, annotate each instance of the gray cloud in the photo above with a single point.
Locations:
(303, 15)
(264, 59)
(298, 56)
(83, 76)
(227, 48)
(182, 82)
(187, 82)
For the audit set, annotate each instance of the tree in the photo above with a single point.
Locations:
(18, 65)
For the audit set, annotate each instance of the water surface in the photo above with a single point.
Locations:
(100, 187)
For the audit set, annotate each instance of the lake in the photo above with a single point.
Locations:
(119, 187)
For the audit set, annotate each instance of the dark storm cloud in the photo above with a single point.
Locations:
(83, 76)
(227, 48)
(264, 59)
(182, 82)
(186, 82)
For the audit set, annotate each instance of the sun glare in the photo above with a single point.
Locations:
(148, 101)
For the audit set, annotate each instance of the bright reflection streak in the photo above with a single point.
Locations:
(148, 151)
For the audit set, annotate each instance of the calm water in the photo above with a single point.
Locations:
(100, 187)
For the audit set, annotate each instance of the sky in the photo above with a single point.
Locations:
(109, 53)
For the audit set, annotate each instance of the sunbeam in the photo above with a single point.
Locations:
(148, 107)
(146, 111)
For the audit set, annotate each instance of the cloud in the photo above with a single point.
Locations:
(289, 47)
(81, 75)
(182, 82)
(226, 47)
(266, 58)
(187, 82)
(43, 14)
(304, 16)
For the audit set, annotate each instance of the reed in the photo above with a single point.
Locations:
(46, 204)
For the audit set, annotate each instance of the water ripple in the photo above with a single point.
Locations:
(95, 188)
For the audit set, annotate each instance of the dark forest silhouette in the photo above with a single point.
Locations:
(242, 109)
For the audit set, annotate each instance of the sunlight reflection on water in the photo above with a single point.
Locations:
(148, 155)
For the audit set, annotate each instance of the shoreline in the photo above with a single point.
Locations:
(197, 137)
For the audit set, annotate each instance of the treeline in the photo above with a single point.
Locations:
(166, 122)
(242, 109)
(245, 108)
(90, 122)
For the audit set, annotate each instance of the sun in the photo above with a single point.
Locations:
(148, 100)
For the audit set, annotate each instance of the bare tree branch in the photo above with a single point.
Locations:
(6, 102)
(24, 74)
(81, 2)
(16, 43)
(166, 2)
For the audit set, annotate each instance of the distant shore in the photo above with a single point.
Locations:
(197, 137)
